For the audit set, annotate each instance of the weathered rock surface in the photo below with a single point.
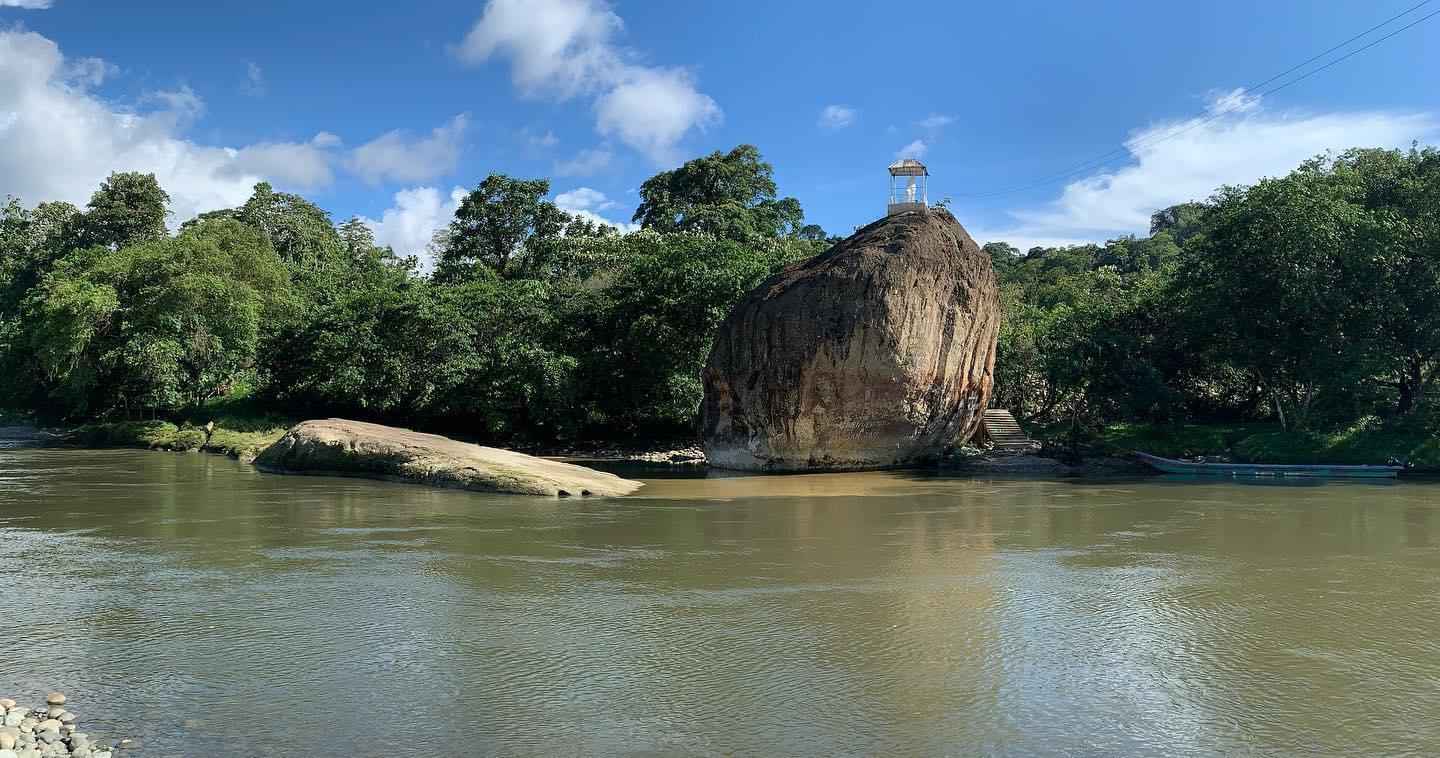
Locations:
(356, 448)
(879, 352)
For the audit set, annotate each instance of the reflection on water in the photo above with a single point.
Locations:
(880, 613)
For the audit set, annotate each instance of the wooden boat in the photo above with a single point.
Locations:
(1170, 466)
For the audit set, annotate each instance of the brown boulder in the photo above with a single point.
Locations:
(355, 448)
(876, 353)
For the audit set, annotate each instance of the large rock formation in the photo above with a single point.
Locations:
(877, 353)
(355, 448)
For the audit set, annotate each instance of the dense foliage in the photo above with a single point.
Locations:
(1312, 300)
(534, 324)
(1309, 302)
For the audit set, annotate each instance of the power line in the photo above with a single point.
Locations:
(1127, 148)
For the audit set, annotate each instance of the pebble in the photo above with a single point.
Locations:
(48, 732)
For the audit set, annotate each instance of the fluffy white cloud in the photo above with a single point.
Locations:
(303, 165)
(566, 48)
(583, 199)
(585, 163)
(1237, 142)
(28, 4)
(914, 150)
(395, 156)
(587, 204)
(409, 225)
(652, 109)
(58, 141)
(837, 117)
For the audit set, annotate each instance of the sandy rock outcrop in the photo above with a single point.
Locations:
(356, 448)
(878, 353)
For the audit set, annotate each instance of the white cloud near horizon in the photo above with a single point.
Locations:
(396, 156)
(587, 203)
(59, 140)
(34, 5)
(837, 117)
(410, 224)
(565, 49)
(1238, 141)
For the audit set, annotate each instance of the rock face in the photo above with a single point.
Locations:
(879, 352)
(355, 448)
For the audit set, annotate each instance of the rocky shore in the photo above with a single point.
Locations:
(48, 732)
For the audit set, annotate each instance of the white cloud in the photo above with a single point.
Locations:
(27, 4)
(394, 156)
(652, 109)
(84, 73)
(1237, 142)
(254, 85)
(583, 199)
(409, 225)
(587, 204)
(58, 141)
(935, 122)
(915, 149)
(586, 163)
(302, 165)
(325, 139)
(837, 116)
(566, 48)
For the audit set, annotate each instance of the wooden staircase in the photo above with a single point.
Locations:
(1004, 432)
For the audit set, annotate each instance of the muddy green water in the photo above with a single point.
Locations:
(205, 609)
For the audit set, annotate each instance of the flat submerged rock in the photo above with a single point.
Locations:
(356, 448)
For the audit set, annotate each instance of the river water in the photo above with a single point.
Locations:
(205, 609)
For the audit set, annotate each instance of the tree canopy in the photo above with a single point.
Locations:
(730, 195)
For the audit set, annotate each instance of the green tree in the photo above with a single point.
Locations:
(153, 326)
(129, 208)
(730, 195)
(500, 227)
(299, 231)
(1279, 280)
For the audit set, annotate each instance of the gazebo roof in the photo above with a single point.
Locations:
(908, 167)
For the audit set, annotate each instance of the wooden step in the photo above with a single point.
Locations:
(1004, 432)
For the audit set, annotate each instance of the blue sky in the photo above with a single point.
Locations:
(386, 110)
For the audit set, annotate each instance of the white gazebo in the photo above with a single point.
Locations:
(910, 194)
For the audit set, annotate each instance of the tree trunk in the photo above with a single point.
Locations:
(1412, 386)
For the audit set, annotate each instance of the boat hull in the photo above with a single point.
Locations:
(1236, 470)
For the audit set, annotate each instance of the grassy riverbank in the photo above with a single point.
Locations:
(236, 437)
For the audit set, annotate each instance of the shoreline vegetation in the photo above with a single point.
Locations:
(1296, 320)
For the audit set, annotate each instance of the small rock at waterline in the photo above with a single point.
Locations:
(55, 698)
